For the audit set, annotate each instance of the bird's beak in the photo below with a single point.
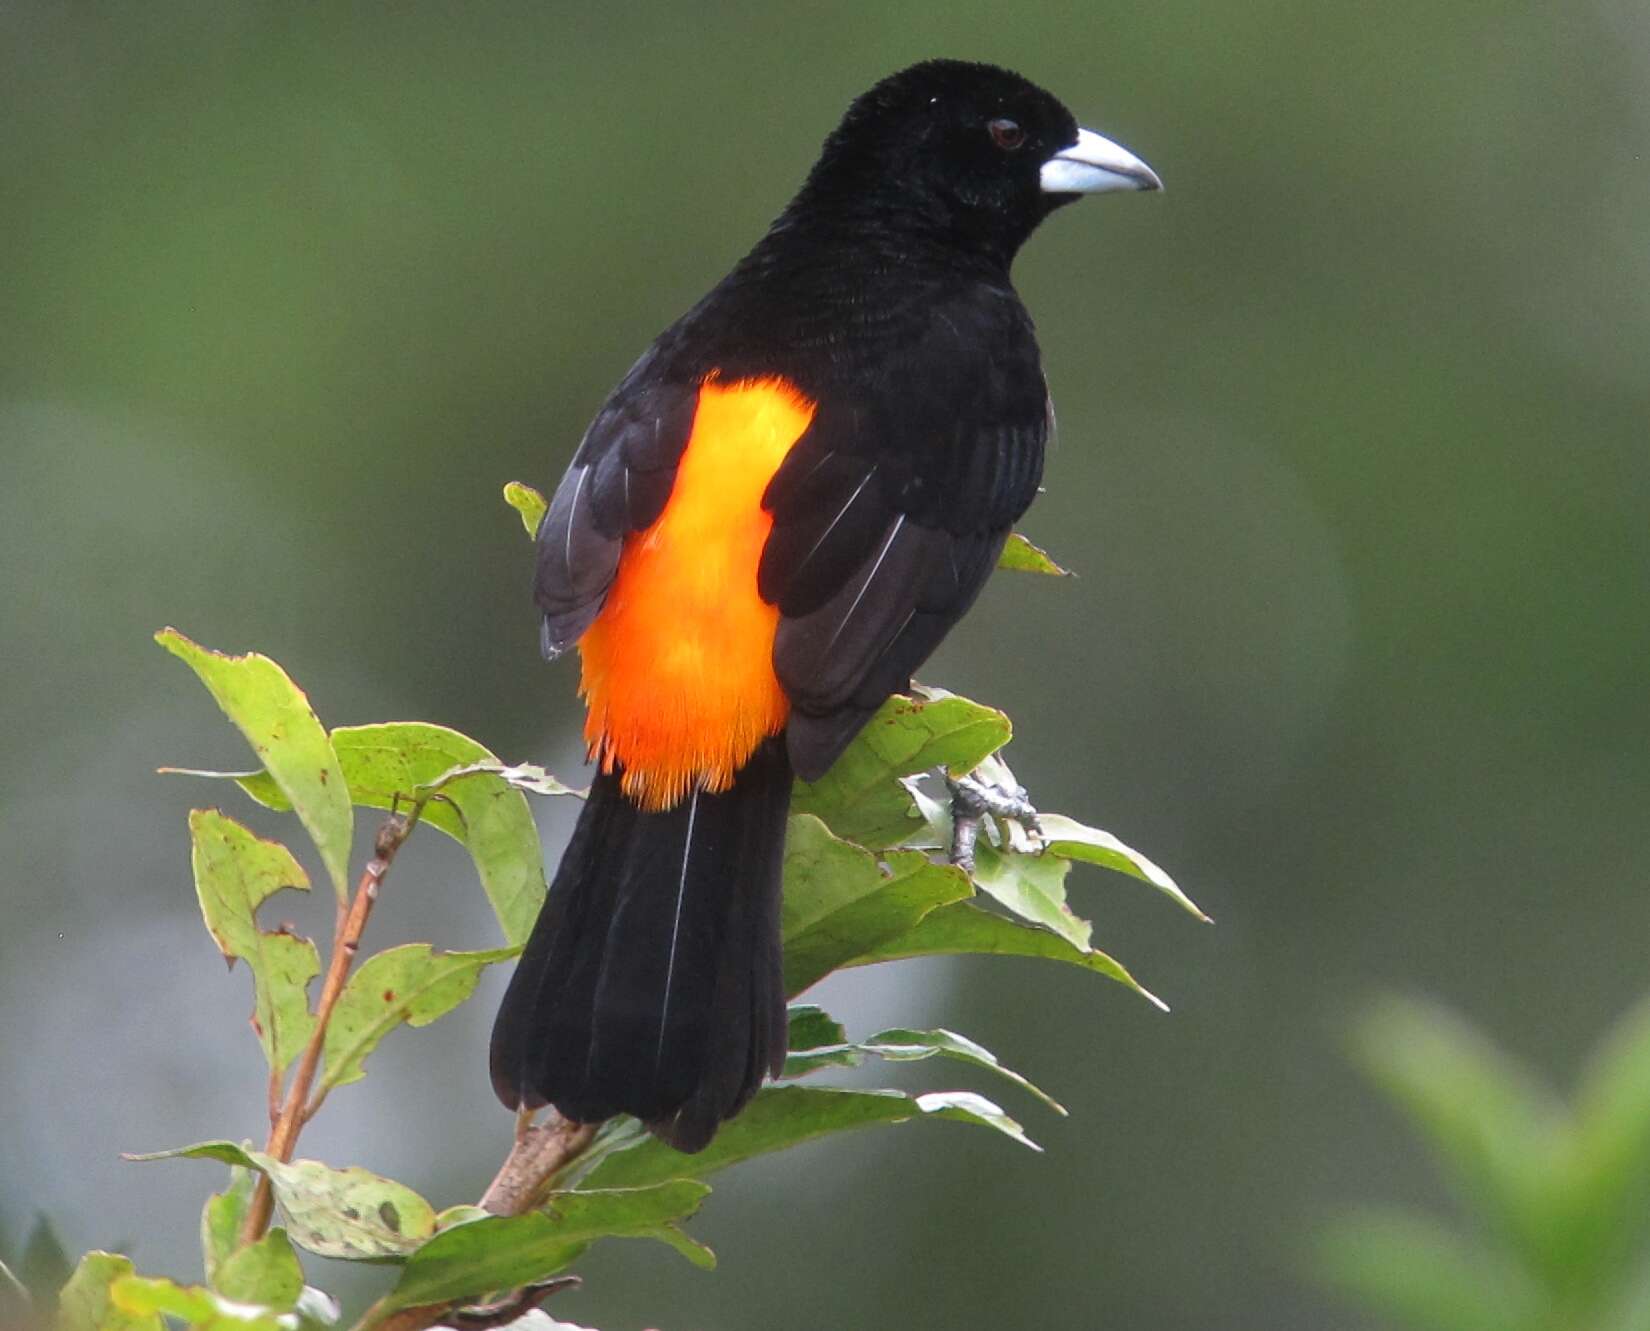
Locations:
(1093, 165)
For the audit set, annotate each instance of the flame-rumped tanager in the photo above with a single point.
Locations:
(773, 520)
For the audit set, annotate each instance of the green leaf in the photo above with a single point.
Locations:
(85, 1303)
(275, 716)
(823, 873)
(193, 1305)
(529, 503)
(968, 1107)
(965, 928)
(816, 1041)
(412, 985)
(901, 1045)
(861, 798)
(389, 765)
(505, 1252)
(838, 902)
(811, 1027)
(461, 1214)
(484, 812)
(235, 872)
(1033, 887)
(784, 1116)
(1074, 841)
(265, 1273)
(1416, 1271)
(778, 1117)
(1496, 1131)
(222, 1218)
(259, 785)
(1024, 557)
(226, 1151)
(346, 1213)
(1609, 1175)
(802, 1062)
(527, 777)
(617, 1134)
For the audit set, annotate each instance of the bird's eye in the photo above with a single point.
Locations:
(1006, 134)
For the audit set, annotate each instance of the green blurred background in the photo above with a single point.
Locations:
(1353, 462)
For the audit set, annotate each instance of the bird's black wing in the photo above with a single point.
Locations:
(889, 515)
(619, 481)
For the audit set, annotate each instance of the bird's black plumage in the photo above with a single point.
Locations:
(882, 295)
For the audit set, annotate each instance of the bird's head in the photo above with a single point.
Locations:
(972, 150)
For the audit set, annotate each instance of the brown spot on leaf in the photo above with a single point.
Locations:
(390, 1216)
(389, 995)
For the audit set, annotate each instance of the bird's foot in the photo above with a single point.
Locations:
(974, 796)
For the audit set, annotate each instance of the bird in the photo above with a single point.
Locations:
(771, 522)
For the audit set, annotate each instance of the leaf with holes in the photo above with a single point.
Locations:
(346, 1213)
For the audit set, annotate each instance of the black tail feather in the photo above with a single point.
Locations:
(652, 984)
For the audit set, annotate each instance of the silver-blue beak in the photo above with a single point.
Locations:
(1093, 165)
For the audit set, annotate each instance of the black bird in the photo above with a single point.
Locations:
(774, 519)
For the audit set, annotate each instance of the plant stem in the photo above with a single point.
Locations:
(346, 942)
(541, 1152)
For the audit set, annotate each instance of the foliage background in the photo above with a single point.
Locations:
(1352, 460)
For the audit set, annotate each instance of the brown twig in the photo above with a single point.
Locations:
(541, 1152)
(346, 942)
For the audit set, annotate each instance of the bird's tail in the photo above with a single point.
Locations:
(652, 984)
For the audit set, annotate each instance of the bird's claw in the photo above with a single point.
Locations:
(971, 799)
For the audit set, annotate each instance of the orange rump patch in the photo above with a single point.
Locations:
(678, 667)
